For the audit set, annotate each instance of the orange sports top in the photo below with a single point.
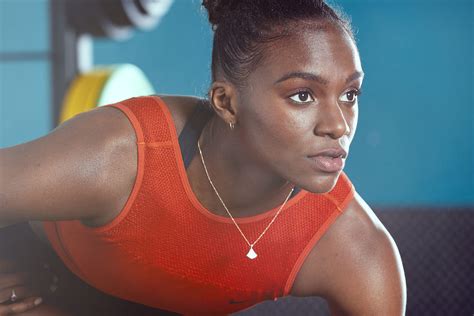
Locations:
(167, 251)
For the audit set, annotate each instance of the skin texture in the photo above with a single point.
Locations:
(356, 265)
(266, 153)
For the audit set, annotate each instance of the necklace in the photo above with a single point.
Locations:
(251, 254)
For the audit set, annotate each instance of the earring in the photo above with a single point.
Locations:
(231, 125)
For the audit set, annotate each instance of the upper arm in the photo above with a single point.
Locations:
(68, 173)
(369, 279)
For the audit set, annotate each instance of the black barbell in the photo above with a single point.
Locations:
(114, 18)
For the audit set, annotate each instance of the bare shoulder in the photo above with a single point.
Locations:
(122, 168)
(96, 151)
(88, 162)
(357, 267)
(120, 161)
(68, 173)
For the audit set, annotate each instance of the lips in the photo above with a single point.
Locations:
(329, 160)
(327, 164)
(331, 152)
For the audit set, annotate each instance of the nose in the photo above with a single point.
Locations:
(331, 121)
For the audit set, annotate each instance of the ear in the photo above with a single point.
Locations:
(223, 99)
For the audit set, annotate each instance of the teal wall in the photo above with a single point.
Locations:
(415, 138)
(24, 84)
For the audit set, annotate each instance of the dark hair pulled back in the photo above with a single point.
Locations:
(243, 27)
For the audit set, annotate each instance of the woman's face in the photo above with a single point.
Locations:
(300, 100)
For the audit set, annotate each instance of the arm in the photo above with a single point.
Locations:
(368, 278)
(74, 172)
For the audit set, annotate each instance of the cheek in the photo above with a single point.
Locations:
(271, 130)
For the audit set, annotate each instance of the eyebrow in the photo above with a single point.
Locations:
(315, 77)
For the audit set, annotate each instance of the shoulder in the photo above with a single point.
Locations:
(363, 271)
(181, 108)
(111, 135)
(120, 151)
(72, 162)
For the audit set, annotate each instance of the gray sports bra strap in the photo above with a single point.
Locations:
(191, 132)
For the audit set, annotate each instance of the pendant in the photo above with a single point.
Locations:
(251, 254)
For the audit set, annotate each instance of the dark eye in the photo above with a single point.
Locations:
(350, 96)
(302, 97)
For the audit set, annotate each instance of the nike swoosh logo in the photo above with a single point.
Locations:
(236, 302)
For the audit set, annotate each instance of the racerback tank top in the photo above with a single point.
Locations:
(167, 251)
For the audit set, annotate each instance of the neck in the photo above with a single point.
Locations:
(246, 186)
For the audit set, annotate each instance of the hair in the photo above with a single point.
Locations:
(244, 28)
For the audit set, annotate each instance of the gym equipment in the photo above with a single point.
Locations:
(73, 24)
(104, 85)
(115, 18)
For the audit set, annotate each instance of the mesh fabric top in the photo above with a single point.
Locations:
(167, 251)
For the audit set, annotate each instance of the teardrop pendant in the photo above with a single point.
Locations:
(251, 254)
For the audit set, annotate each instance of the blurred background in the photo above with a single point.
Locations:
(412, 156)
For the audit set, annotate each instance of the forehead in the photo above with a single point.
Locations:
(324, 49)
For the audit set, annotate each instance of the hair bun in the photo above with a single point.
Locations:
(217, 9)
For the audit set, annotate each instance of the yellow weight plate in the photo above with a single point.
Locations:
(83, 94)
(100, 77)
(79, 95)
(72, 94)
(104, 85)
(87, 90)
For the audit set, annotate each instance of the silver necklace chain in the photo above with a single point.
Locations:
(251, 254)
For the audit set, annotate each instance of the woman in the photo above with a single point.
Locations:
(209, 206)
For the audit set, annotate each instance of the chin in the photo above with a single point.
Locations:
(323, 183)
